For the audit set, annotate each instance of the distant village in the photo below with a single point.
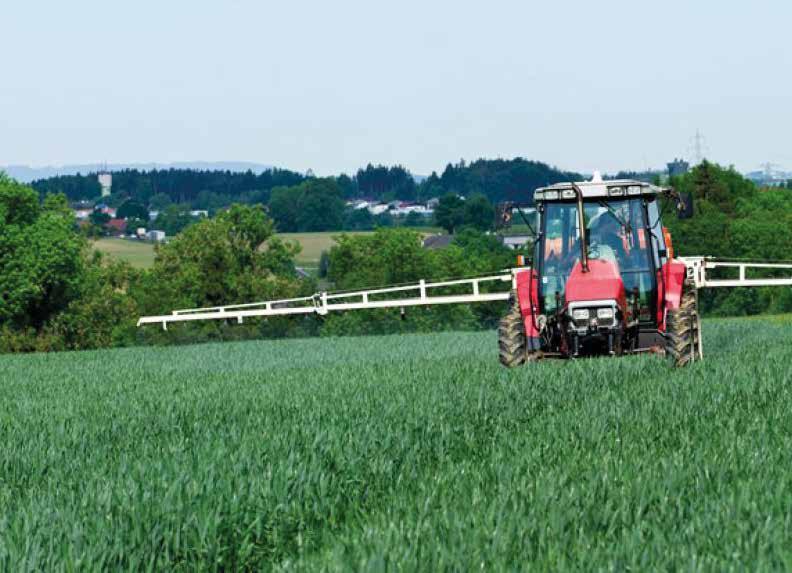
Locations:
(86, 213)
(118, 227)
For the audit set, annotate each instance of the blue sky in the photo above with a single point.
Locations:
(331, 86)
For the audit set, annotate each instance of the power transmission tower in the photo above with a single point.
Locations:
(768, 169)
(699, 148)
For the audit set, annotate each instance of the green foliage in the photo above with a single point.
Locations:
(387, 257)
(40, 257)
(483, 253)
(283, 207)
(134, 224)
(320, 206)
(75, 187)
(178, 185)
(19, 205)
(479, 213)
(395, 256)
(450, 212)
(324, 264)
(734, 220)
(132, 209)
(359, 220)
(386, 183)
(104, 315)
(160, 202)
(173, 220)
(418, 451)
(99, 219)
(347, 184)
(314, 205)
(232, 258)
(497, 179)
(414, 219)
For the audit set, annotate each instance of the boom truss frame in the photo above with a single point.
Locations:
(420, 294)
(698, 268)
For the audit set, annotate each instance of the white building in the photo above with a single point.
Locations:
(515, 242)
(404, 210)
(377, 208)
(156, 236)
(106, 183)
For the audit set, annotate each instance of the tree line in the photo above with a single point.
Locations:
(303, 203)
(497, 180)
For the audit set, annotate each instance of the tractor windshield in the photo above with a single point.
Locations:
(615, 231)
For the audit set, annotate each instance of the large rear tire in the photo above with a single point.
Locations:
(512, 349)
(683, 337)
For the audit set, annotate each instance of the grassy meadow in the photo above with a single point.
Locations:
(140, 254)
(408, 452)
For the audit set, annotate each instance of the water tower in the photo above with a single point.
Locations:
(106, 182)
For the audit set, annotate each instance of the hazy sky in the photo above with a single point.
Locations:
(331, 86)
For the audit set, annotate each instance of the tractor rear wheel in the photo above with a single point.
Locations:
(511, 336)
(682, 328)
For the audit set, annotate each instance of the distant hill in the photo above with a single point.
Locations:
(26, 174)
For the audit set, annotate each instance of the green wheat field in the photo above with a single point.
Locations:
(406, 452)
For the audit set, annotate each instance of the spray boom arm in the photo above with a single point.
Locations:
(420, 294)
(426, 293)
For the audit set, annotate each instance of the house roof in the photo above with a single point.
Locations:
(437, 241)
(117, 224)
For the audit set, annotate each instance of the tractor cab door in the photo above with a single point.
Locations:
(622, 225)
(558, 252)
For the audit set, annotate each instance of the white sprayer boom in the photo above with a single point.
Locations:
(698, 267)
(425, 294)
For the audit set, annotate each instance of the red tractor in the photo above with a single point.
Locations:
(604, 280)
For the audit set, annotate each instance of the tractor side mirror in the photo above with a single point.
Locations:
(503, 215)
(685, 206)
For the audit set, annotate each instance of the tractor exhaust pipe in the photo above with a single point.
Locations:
(582, 226)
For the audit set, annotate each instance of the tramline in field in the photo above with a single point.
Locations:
(604, 281)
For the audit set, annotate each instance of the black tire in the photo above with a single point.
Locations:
(682, 328)
(511, 336)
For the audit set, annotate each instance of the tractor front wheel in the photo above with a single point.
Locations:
(511, 336)
(682, 328)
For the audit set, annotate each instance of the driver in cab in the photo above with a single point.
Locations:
(606, 241)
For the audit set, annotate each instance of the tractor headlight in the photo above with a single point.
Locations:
(605, 313)
(580, 314)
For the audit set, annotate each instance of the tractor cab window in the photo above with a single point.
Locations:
(615, 231)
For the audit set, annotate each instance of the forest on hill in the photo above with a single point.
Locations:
(497, 179)
(305, 203)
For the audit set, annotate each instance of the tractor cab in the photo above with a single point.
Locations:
(599, 250)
